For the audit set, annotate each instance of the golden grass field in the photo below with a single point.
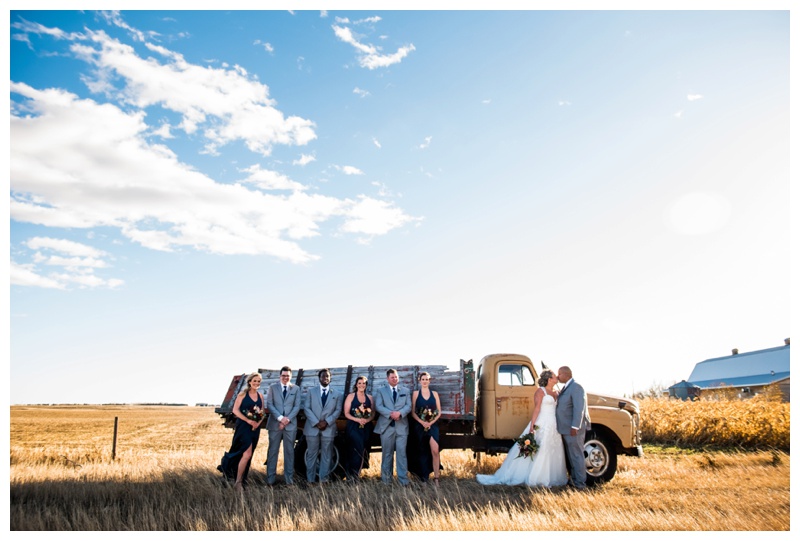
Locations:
(164, 477)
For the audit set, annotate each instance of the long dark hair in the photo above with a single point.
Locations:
(359, 378)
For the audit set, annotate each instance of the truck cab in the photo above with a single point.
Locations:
(506, 385)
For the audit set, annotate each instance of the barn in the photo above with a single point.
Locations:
(750, 373)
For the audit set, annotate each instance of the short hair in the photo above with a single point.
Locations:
(323, 371)
(390, 371)
(286, 369)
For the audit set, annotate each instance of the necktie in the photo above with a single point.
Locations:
(324, 396)
(284, 391)
(394, 399)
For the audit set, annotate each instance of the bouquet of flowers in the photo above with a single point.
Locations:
(256, 414)
(427, 414)
(361, 412)
(527, 445)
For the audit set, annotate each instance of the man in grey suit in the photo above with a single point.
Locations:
(393, 404)
(572, 422)
(322, 407)
(283, 402)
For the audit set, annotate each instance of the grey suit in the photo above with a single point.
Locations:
(320, 439)
(572, 411)
(394, 434)
(288, 407)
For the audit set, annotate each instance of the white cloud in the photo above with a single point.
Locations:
(164, 131)
(77, 263)
(369, 55)
(304, 159)
(375, 217)
(694, 97)
(678, 114)
(349, 170)
(564, 102)
(267, 46)
(63, 246)
(227, 103)
(425, 144)
(368, 20)
(486, 101)
(270, 180)
(23, 276)
(360, 92)
(376, 142)
(76, 163)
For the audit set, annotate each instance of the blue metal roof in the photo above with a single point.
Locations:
(760, 367)
(747, 381)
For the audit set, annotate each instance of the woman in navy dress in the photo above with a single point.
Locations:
(359, 410)
(426, 411)
(249, 411)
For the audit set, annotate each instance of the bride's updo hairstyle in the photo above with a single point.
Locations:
(544, 377)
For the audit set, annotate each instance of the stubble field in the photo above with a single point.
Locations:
(164, 477)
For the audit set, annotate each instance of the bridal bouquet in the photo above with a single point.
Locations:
(527, 445)
(256, 414)
(427, 414)
(361, 412)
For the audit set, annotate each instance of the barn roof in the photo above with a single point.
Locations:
(760, 367)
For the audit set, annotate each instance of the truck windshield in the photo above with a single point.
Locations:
(514, 374)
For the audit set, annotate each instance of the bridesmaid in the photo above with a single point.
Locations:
(236, 462)
(426, 430)
(359, 410)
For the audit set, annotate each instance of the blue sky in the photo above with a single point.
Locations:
(200, 194)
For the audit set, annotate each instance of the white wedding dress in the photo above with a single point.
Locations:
(548, 467)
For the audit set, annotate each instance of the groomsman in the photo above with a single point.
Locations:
(393, 404)
(283, 403)
(322, 407)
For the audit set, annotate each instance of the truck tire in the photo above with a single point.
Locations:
(300, 451)
(601, 458)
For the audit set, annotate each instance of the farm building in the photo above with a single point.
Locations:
(684, 390)
(749, 372)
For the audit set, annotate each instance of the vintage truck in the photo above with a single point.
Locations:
(483, 412)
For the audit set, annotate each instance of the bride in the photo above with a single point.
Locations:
(548, 466)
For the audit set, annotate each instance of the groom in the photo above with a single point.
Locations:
(572, 421)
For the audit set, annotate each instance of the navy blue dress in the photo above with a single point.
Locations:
(243, 437)
(357, 441)
(420, 461)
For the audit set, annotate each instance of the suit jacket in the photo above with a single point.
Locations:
(287, 407)
(384, 406)
(316, 412)
(572, 409)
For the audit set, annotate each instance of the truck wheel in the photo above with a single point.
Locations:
(300, 453)
(601, 459)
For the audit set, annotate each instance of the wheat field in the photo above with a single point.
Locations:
(164, 478)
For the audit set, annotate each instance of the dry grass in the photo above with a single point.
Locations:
(164, 478)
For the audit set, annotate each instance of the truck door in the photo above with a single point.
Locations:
(513, 400)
